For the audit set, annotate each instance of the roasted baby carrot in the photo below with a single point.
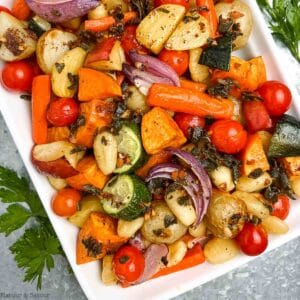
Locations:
(41, 95)
(192, 258)
(210, 15)
(191, 85)
(107, 22)
(192, 102)
(21, 10)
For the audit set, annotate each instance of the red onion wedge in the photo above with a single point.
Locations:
(155, 66)
(153, 256)
(142, 79)
(201, 174)
(137, 242)
(189, 183)
(58, 11)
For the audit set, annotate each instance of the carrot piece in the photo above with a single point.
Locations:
(106, 23)
(97, 114)
(179, 99)
(253, 155)
(98, 229)
(160, 131)
(154, 160)
(193, 257)
(21, 10)
(209, 15)
(58, 134)
(248, 74)
(77, 182)
(41, 95)
(96, 85)
(191, 85)
(93, 175)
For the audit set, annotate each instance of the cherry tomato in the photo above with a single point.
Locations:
(178, 60)
(281, 208)
(184, 3)
(17, 76)
(186, 121)
(63, 112)
(277, 97)
(65, 202)
(256, 116)
(129, 41)
(228, 136)
(253, 239)
(128, 264)
(5, 9)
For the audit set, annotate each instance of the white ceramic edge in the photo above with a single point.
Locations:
(195, 281)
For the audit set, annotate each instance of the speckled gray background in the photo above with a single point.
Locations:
(275, 275)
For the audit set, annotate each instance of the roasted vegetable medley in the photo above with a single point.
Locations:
(166, 149)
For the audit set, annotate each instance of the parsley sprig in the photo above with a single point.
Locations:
(35, 249)
(284, 22)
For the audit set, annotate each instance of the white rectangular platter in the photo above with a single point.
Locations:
(16, 113)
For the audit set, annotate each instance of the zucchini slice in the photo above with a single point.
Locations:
(130, 197)
(286, 139)
(130, 148)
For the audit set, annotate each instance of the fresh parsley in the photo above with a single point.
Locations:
(35, 249)
(284, 22)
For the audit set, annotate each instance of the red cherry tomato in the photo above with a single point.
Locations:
(253, 239)
(277, 97)
(178, 60)
(5, 9)
(129, 41)
(17, 76)
(128, 264)
(186, 121)
(184, 3)
(256, 116)
(65, 202)
(228, 136)
(63, 112)
(281, 208)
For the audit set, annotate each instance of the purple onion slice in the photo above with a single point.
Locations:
(155, 66)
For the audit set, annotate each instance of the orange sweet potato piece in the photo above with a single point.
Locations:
(253, 155)
(97, 114)
(93, 175)
(55, 134)
(160, 131)
(248, 74)
(96, 85)
(153, 160)
(97, 237)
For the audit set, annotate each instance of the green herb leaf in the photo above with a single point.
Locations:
(284, 22)
(15, 217)
(34, 251)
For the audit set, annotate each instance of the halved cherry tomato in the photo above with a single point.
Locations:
(129, 41)
(178, 60)
(277, 97)
(253, 239)
(256, 116)
(65, 202)
(184, 3)
(17, 76)
(63, 112)
(228, 136)
(5, 9)
(281, 208)
(128, 264)
(186, 121)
